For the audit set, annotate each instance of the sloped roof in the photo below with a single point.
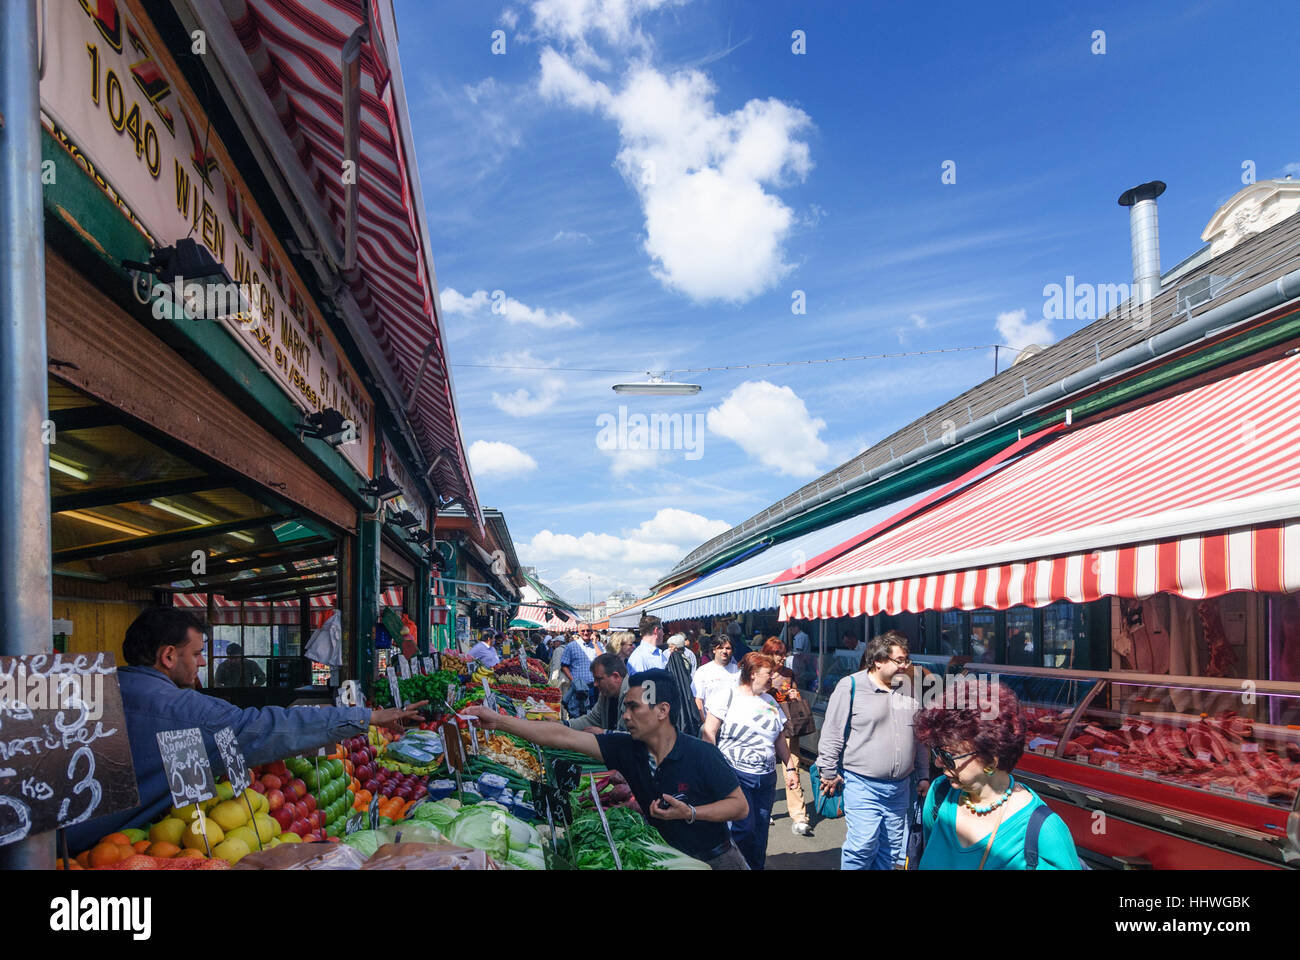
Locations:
(1252, 263)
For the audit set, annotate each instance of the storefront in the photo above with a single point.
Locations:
(1131, 577)
(222, 433)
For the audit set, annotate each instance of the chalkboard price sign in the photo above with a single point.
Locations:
(393, 688)
(185, 762)
(64, 752)
(403, 668)
(233, 757)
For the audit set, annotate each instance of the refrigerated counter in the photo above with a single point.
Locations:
(1160, 771)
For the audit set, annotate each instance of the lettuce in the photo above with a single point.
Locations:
(531, 858)
(480, 828)
(440, 813)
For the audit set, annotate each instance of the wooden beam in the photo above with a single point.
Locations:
(106, 496)
(264, 558)
(162, 539)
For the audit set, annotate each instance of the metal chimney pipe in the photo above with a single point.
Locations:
(1144, 233)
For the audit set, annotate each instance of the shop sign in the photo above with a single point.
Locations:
(408, 499)
(64, 752)
(114, 98)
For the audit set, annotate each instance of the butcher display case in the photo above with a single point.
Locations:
(1160, 771)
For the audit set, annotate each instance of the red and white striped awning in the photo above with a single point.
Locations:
(264, 612)
(1197, 494)
(537, 613)
(294, 47)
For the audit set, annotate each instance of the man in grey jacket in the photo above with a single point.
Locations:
(881, 758)
(609, 673)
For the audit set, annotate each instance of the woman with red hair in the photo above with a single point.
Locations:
(977, 817)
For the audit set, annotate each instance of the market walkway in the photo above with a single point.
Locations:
(785, 851)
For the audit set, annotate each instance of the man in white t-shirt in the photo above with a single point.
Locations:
(719, 673)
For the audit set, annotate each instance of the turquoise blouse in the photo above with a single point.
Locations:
(943, 851)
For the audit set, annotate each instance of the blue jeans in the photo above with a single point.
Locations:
(875, 812)
(750, 834)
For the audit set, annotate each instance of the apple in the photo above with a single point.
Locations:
(275, 799)
(279, 769)
(284, 816)
(299, 788)
(272, 782)
(363, 772)
(301, 826)
(300, 810)
(317, 819)
(404, 793)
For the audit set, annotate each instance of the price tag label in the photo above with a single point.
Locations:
(64, 752)
(1126, 725)
(1221, 789)
(233, 758)
(1150, 775)
(523, 660)
(437, 660)
(403, 668)
(1082, 758)
(393, 688)
(374, 812)
(1254, 797)
(1111, 765)
(489, 698)
(1144, 729)
(185, 763)
(1204, 756)
(428, 665)
(453, 693)
(417, 668)
(473, 737)
(1095, 731)
(1250, 748)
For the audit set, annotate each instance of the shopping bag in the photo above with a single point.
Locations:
(828, 807)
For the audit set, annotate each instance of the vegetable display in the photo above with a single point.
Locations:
(639, 846)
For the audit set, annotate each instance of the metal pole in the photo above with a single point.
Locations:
(25, 559)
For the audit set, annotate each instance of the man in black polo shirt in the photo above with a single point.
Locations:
(684, 786)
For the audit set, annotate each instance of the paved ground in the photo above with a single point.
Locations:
(819, 851)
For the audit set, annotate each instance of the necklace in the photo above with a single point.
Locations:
(989, 807)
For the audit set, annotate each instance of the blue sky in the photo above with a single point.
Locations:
(648, 184)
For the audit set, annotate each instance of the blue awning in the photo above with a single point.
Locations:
(742, 587)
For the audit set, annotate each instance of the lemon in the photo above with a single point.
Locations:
(266, 827)
(258, 800)
(289, 837)
(193, 835)
(225, 791)
(232, 850)
(230, 814)
(185, 814)
(167, 831)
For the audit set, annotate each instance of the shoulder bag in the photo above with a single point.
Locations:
(828, 807)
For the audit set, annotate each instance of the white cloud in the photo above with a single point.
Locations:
(481, 304)
(1291, 170)
(633, 461)
(713, 229)
(1015, 332)
(577, 22)
(537, 391)
(915, 323)
(570, 235)
(773, 426)
(637, 557)
(492, 458)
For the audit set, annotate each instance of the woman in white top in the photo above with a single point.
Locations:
(747, 726)
(717, 672)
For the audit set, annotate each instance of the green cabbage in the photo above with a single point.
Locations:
(531, 858)
(481, 828)
(366, 842)
(440, 813)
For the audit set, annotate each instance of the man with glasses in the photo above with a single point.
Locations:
(575, 662)
(867, 750)
(609, 673)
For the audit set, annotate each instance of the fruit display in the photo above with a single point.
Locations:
(508, 671)
(328, 794)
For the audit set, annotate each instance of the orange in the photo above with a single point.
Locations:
(140, 846)
(192, 854)
(126, 850)
(83, 858)
(161, 848)
(117, 838)
(105, 853)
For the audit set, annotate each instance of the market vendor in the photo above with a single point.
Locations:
(484, 651)
(684, 786)
(164, 649)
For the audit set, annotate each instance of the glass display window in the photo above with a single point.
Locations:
(1022, 637)
(1232, 742)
